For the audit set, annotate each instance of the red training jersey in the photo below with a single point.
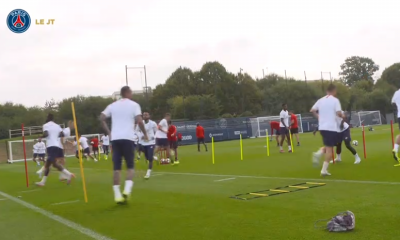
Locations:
(294, 119)
(199, 132)
(95, 142)
(179, 136)
(172, 133)
(274, 125)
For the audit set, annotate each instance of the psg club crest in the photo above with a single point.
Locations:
(18, 21)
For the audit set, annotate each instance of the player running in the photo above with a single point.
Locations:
(105, 141)
(200, 137)
(173, 141)
(161, 135)
(275, 126)
(284, 128)
(294, 127)
(85, 146)
(38, 150)
(396, 105)
(148, 146)
(329, 109)
(95, 146)
(344, 136)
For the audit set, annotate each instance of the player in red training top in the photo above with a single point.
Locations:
(275, 126)
(200, 136)
(95, 146)
(173, 141)
(294, 127)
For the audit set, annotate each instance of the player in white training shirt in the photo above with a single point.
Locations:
(329, 109)
(124, 113)
(284, 127)
(53, 132)
(396, 105)
(41, 150)
(105, 140)
(148, 146)
(162, 135)
(345, 136)
(85, 147)
(35, 153)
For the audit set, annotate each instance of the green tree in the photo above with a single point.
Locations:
(357, 68)
(391, 75)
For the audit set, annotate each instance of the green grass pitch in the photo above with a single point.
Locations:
(192, 200)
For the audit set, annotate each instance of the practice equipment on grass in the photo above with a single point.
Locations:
(365, 148)
(342, 222)
(291, 141)
(24, 146)
(212, 150)
(355, 143)
(259, 125)
(267, 139)
(79, 153)
(278, 190)
(241, 147)
(16, 148)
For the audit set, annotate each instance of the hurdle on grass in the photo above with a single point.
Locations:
(365, 148)
(24, 146)
(79, 152)
(241, 148)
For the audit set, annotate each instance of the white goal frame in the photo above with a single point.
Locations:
(366, 118)
(70, 152)
(259, 125)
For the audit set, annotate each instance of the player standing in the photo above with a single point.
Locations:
(173, 140)
(53, 132)
(329, 109)
(200, 137)
(284, 127)
(85, 146)
(36, 153)
(275, 126)
(124, 113)
(148, 146)
(95, 146)
(396, 105)
(345, 136)
(294, 127)
(161, 135)
(105, 140)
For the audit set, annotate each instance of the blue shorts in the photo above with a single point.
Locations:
(329, 138)
(345, 136)
(105, 148)
(162, 142)
(86, 151)
(35, 155)
(54, 152)
(283, 131)
(42, 155)
(148, 152)
(123, 148)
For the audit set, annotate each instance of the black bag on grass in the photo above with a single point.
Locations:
(342, 222)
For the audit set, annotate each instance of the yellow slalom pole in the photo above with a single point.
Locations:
(212, 150)
(267, 137)
(291, 142)
(241, 148)
(79, 153)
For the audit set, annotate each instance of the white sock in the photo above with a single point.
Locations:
(128, 186)
(280, 147)
(117, 192)
(356, 155)
(41, 170)
(66, 172)
(148, 172)
(338, 156)
(290, 147)
(396, 147)
(44, 179)
(325, 167)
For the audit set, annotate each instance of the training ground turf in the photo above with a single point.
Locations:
(191, 201)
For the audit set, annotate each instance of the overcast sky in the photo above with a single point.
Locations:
(91, 41)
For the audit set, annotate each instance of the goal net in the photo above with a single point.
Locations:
(260, 125)
(16, 148)
(366, 118)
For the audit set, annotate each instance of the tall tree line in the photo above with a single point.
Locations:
(214, 92)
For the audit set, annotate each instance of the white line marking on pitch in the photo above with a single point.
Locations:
(86, 231)
(225, 179)
(61, 203)
(285, 178)
(157, 174)
(3, 199)
(34, 190)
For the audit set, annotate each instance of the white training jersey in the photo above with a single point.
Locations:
(67, 133)
(396, 100)
(327, 108)
(53, 130)
(75, 143)
(41, 147)
(151, 130)
(345, 124)
(163, 124)
(285, 115)
(106, 140)
(136, 136)
(36, 148)
(84, 142)
(123, 113)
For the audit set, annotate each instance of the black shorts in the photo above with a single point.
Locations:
(123, 148)
(42, 155)
(86, 151)
(105, 148)
(283, 131)
(162, 142)
(95, 149)
(329, 138)
(35, 155)
(200, 140)
(345, 136)
(294, 130)
(54, 152)
(277, 131)
(148, 152)
(173, 144)
(398, 121)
